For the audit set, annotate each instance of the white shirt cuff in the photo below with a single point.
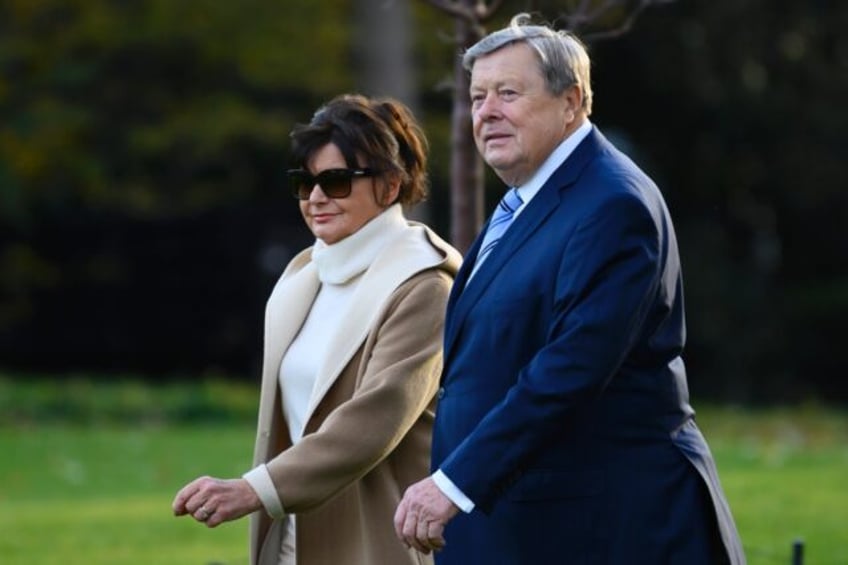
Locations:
(260, 480)
(451, 491)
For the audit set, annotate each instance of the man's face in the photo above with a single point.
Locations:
(517, 122)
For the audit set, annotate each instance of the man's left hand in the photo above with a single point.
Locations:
(422, 515)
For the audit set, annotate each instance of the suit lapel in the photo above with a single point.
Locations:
(515, 237)
(459, 285)
(466, 294)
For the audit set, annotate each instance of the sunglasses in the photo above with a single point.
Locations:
(334, 183)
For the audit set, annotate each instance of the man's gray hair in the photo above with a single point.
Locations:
(563, 58)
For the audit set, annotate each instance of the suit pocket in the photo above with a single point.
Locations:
(544, 484)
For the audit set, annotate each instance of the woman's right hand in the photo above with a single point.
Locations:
(214, 501)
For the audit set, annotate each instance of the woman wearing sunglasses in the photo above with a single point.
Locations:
(353, 337)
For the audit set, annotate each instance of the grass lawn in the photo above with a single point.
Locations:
(785, 472)
(99, 496)
(98, 491)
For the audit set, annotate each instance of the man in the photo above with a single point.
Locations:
(563, 432)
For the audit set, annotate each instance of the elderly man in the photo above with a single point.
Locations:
(564, 432)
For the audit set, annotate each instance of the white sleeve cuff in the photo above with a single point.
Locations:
(451, 491)
(260, 480)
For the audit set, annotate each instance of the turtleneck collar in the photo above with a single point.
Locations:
(342, 261)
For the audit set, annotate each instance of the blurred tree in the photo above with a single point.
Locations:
(738, 109)
(140, 145)
(143, 217)
(384, 43)
(184, 81)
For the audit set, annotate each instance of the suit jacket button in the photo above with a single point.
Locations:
(441, 392)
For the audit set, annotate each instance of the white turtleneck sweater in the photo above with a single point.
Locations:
(340, 267)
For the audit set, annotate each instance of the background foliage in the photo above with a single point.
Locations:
(143, 218)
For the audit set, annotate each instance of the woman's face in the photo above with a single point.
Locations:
(333, 219)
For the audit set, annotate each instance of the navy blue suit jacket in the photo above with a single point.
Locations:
(564, 410)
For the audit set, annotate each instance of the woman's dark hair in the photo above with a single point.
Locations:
(380, 131)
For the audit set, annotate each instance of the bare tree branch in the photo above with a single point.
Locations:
(471, 15)
(485, 13)
(584, 15)
(454, 9)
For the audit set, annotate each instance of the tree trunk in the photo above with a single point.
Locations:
(384, 58)
(467, 171)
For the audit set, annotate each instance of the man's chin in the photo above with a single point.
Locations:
(497, 161)
(505, 172)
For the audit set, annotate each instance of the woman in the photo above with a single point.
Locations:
(352, 355)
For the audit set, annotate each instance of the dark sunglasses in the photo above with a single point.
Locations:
(334, 183)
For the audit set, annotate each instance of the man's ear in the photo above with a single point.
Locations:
(574, 98)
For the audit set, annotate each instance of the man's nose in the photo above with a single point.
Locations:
(487, 107)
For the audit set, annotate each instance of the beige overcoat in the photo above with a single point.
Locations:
(369, 423)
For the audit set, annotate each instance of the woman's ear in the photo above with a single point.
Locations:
(391, 190)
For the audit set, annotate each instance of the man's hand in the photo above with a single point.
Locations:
(422, 515)
(213, 501)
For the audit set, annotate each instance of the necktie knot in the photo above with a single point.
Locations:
(510, 202)
(501, 219)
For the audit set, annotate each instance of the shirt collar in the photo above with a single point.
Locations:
(529, 189)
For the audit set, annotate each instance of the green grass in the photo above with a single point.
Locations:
(83, 484)
(102, 495)
(123, 399)
(785, 472)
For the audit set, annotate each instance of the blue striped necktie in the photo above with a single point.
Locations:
(501, 219)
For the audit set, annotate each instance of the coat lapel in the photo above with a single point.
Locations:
(287, 308)
(404, 257)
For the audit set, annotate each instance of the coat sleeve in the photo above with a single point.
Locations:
(607, 275)
(397, 375)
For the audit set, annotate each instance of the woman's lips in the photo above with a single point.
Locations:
(322, 218)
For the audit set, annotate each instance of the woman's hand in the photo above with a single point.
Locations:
(214, 501)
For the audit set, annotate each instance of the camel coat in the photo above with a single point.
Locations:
(369, 422)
